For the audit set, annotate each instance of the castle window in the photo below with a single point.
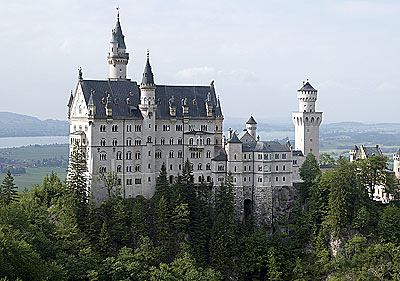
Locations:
(138, 128)
(208, 141)
(276, 179)
(149, 153)
(199, 167)
(203, 128)
(244, 156)
(180, 154)
(102, 169)
(208, 166)
(129, 168)
(276, 156)
(138, 141)
(178, 128)
(158, 154)
(310, 149)
(162, 141)
(128, 142)
(166, 128)
(180, 167)
(114, 142)
(119, 169)
(114, 128)
(191, 128)
(119, 155)
(128, 181)
(259, 168)
(149, 166)
(208, 154)
(138, 181)
(276, 168)
(294, 162)
(260, 156)
(283, 155)
(200, 178)
(103, 142)
(179, 141)
(149, 179)
(208, 179)
(221, 168)
(171, 154)
(137, 155)
(234, 156)
(170, 167)
(103, 156)
(129, 128)
(283, 178)
(244, 168)
(259, 180)
(129, 155)
(216, 141)
(171, 141)
(234, 169)
(244, 179)
(191, 141)
(149, 139)
(284, 167)
(234, 179)
(137, 168)
(310, 140)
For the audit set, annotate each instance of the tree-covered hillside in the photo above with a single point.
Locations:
(188, 232)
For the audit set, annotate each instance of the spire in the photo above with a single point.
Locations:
(80, 74)
(251, 121)
(71, 98)
(148, 78)
(91, 102)
(116, 35)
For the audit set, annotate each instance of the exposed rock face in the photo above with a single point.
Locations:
(283, 201)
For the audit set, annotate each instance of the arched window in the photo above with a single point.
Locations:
(115, 142)
(191, 141)
(128, 142)
(162, 141)
(148, 139)
(119, 155)
(179, 141)
(208, 141)
(171, 141)
(208, 166)
(129, 155)
(208, 179)
(200, 178)
(171, 154)
(180, 154)
(158, 154)
(208, 154)
(119, 169)
(137, 155)
(103, 156)
(103, 142)
(199, 167)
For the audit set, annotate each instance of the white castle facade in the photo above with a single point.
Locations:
(132, 129)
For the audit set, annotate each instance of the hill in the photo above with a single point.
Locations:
(18, 125)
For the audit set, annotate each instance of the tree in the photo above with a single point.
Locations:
(77, 181)
(326, 159)
(222, 243)
(111, 182)
(8, 190)
(309, 172)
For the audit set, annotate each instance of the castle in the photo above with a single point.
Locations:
(132, 129)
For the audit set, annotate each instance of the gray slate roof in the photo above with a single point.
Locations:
(251, 121)
(398, 152)
(221, 156)
(297, 153)
(371, 150)
(123, 90)
(117, 36)
(307, 87)
(148, 77)
(71, 98)
(234, 138)
(264, 146)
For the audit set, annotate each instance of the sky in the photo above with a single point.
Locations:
(258, 53)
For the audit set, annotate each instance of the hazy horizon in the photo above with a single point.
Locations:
(257, 52)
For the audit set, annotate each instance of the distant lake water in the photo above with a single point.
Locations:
(24, 141)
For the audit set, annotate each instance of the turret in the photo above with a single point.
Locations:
(117, 56)
(307, 96)
(251, 127)
(147, 88)
(353, 154)
(396, 164)
(91, 106)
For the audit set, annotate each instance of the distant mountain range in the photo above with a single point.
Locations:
(18, 125)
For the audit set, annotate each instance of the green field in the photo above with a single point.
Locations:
(35, 152)
(35, 176)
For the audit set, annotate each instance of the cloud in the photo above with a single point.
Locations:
(194, 72)
(209, 72)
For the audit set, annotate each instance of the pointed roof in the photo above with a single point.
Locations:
(148, 78)
(91, 102)
(251, 121)
(234, 138)
(117, 36)
(398, 152)
(71, 98)
(307, 87)
(221, 156)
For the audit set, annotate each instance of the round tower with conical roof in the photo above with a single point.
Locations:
(251, 127)
(396, 164)
(307, 121)
(117, 56)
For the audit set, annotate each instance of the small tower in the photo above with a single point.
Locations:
(353, 154)
(307, 121)
(91, 106)
(251, 127)
(396, 164)
(147, 89)
(117, 56)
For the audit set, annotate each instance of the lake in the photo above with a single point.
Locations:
(24, 141)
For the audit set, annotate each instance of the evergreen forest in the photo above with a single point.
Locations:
(185, 231)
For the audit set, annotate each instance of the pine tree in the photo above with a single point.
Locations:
(77, 181)
(222, 244)
(8, 190)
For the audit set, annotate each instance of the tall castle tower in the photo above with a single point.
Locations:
(307, 121)
(396, 164)
(117, 56)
